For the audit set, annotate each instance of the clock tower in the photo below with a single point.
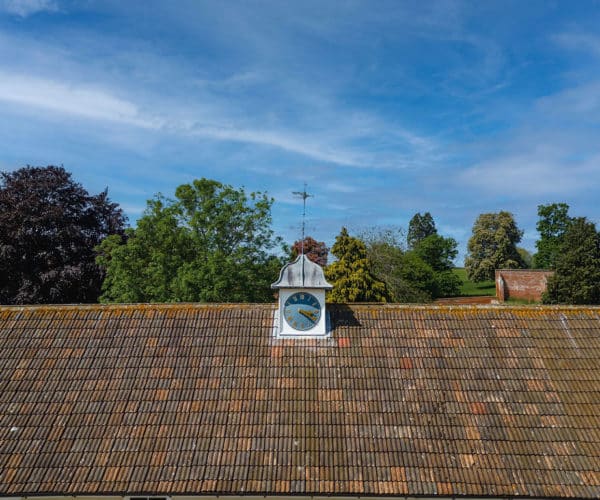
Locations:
(301, 312)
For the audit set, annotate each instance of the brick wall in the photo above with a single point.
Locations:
(524, 284)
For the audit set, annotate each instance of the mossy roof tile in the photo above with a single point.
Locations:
(402, 400)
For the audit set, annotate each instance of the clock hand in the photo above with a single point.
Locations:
(309, 314)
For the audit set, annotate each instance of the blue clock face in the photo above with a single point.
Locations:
(302, 311)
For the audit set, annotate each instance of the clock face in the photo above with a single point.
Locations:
(302, 311)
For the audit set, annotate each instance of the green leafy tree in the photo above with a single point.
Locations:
(493, 245)
(418, 275)
(351, 274)
(407, 278)
(526, 257)
(213, 243)
(421, 277)
(49, 226)
(577, 275)
(316, 251)
(554, 220)
(439, 253)
(419, 228)
(144, 266)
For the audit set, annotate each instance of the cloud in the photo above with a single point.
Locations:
(290, 142)
(534, 175)
(70, 99)
(340, 187)
(333, 146)
(551, 151)
(25, 8)
(574, 103)
(579, 41)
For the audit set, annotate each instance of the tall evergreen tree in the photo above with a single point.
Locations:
(49, 227)
(419, 228)
(577, 275)
(351, 274)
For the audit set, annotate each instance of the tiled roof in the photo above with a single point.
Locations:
(191, 399)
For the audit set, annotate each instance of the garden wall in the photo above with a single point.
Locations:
(525, 284)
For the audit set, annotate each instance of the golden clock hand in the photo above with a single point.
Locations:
(309, 314)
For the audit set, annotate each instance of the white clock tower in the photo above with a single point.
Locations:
(301, 312)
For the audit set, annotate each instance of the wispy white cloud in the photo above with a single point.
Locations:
(71, 99)
(579, 41)
(233, 81)
(340, 187)
(290, 142)
(553, 151)
(533, 175)
(428, 103)
(25, 8)
(95, 103)
(98, 104)
(574, 103)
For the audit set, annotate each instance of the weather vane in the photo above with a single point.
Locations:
(302, 194)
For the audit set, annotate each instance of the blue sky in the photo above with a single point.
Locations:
(383, 108)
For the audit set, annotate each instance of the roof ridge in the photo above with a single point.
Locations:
(271, 305)
(139, 306)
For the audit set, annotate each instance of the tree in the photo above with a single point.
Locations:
(406, 277)
(417, 275)
(419, 228)
(351, 274)
(49, 226)
(437, 251)
(143, 267)
(493, 245)
(577, 276)
(316, 251)
(213, 243)
(526, 257)
(554, 220)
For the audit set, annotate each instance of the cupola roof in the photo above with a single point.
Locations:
(302, 273)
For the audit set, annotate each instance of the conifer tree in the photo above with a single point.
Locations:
(351, 274)
(419, 228)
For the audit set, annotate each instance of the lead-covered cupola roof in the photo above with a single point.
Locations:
(302, 273)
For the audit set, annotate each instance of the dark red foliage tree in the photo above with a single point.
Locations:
(315, 250)
(49, 227)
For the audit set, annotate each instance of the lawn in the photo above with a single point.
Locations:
(470, 288)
